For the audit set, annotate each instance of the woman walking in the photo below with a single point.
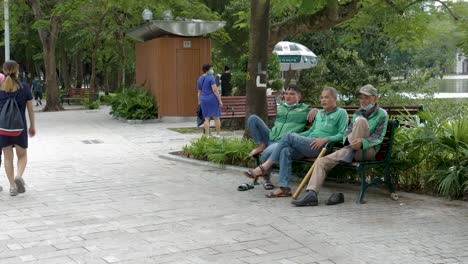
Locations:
(209, 99)
(11, 87)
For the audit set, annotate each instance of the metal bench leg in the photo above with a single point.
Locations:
(388, 179)
(364, 184)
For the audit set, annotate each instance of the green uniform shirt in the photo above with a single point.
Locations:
(330, 125)
(378, 122)
(289, 119)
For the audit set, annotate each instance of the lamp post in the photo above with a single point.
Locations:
(7, 30)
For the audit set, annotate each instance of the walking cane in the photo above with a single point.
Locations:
(309, 173)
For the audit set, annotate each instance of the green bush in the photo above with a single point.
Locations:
(106, 99)
(222, 151)
(90, 105)
(133, 103)
(433, 157)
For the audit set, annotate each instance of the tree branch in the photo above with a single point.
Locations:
(402, 10)
(323, 20)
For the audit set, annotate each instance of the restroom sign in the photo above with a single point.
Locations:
(187, 44)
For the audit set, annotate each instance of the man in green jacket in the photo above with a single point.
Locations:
(329, 126)
(363, 139)
(291, 116)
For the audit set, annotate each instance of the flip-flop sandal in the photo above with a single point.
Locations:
(285, 192)
(251, 174)
(245, 187)
(268, 186)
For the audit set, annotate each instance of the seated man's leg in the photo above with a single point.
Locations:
(260, 133)
(361, 130)
(322, 166)
(268, 150)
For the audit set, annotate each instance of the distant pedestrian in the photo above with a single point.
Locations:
(226, 86)
(37, 90)
(209, 99)
(11, 87)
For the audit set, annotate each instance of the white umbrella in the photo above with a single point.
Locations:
(294, 56)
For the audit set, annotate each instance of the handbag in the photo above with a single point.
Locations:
(200, 118)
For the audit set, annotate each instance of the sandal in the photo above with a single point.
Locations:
(285, 192)
(245, 187)
(251, 174)
(268, 186)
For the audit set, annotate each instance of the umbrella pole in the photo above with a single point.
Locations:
(309, 173)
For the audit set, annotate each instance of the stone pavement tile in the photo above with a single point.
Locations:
(232, 255)
(58, 260)
(308, 258)
(272, 256)
(242, 245)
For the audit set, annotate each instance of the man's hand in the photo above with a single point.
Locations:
(318, 143)
(312, 113)
(356, 144)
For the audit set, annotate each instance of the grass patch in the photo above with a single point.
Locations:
(195, 130)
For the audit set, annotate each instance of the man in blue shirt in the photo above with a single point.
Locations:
(37, 90)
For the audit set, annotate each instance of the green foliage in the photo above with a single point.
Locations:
(221, 151)
(106, 99)
(90, 105)
(277, 85)
(433, 156)
(134, 103)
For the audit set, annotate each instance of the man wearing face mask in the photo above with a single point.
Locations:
(362, 141)
(329, 126)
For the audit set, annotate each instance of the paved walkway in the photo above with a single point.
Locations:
(98, 191)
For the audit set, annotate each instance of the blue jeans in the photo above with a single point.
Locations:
(290, 147)
(260, 131)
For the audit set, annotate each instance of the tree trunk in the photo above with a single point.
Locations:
(258, 59)
(48, 39)
(79, 70)
(64, 68)
(120, 36)
(97, 33)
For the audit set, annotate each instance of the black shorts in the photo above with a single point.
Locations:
(37, 95)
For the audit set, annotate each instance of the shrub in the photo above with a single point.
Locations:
(134, 103)
(433, 156)
(221, 151)
(106, 99)
(90, 105)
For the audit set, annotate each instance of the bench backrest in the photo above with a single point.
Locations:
(392, 110)
(386, 146)
(80, 91)
(234, 106)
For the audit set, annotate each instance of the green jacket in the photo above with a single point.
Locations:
(289, 119)
(330, 125)
(378, 121)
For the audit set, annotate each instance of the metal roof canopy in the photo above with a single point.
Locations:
(188, 28)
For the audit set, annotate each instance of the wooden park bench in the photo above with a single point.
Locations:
(78, 94)
(383, 157)
(234, 107)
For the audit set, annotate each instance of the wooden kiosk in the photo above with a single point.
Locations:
(169, 58)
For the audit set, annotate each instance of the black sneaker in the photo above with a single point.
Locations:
(335, 198)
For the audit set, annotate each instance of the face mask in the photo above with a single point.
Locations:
(369, 107)
(211, 72)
